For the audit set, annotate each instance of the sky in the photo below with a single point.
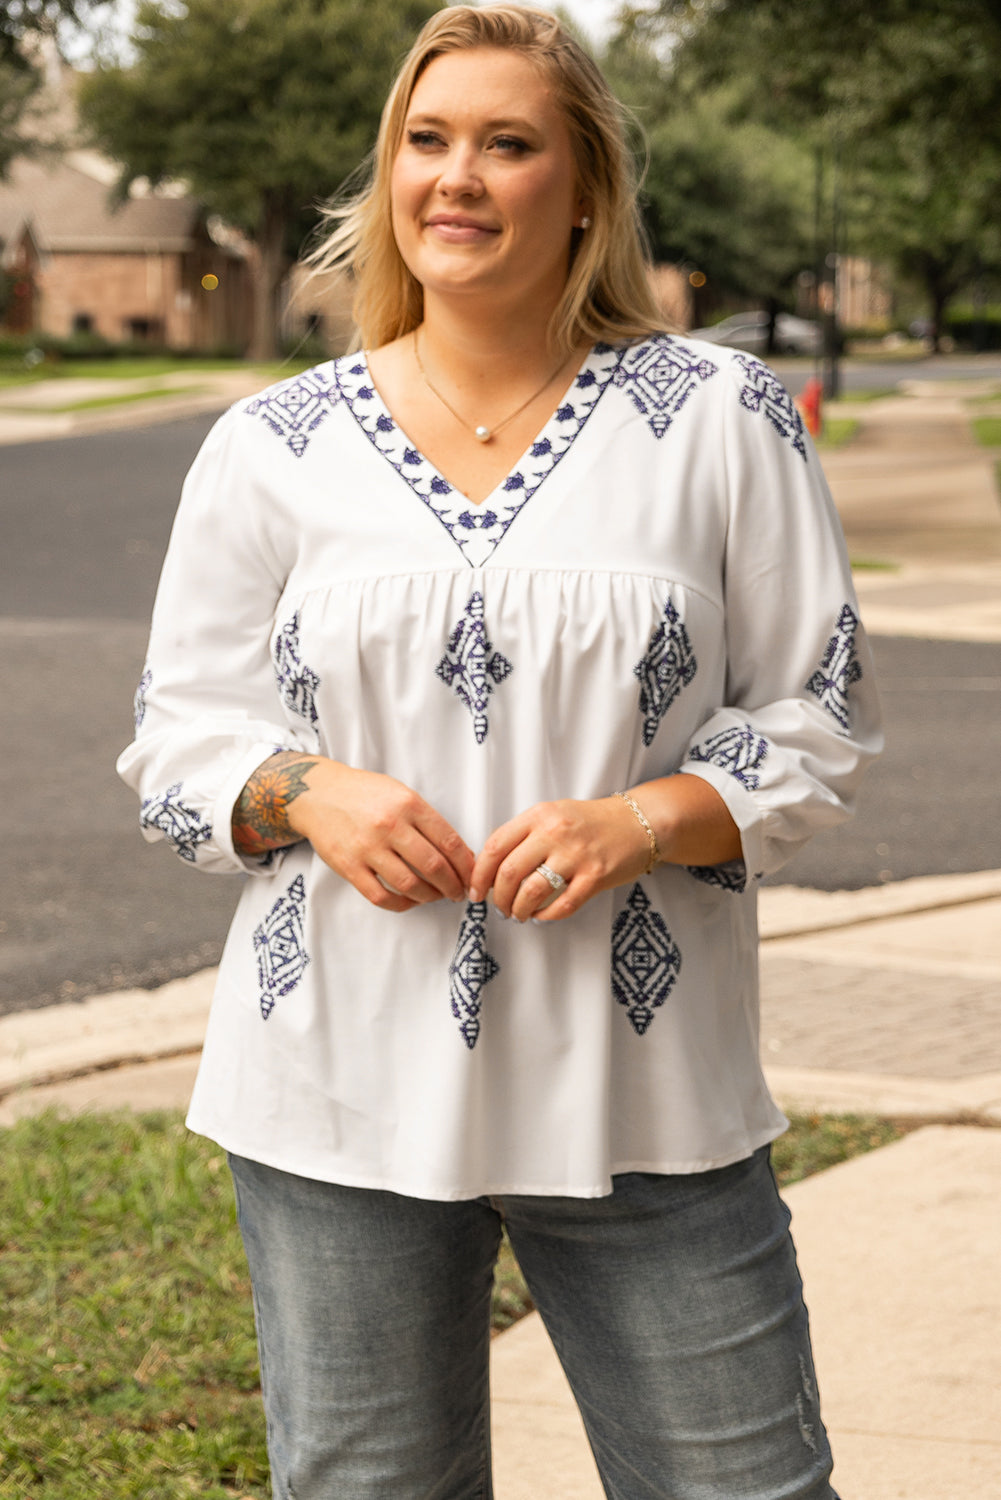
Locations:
(595, 16)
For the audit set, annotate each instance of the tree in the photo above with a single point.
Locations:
(723, 194)
(261, 106)
(906, 95)
(22, 24)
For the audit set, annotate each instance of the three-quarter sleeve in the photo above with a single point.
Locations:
(800, 718)
(207, 708)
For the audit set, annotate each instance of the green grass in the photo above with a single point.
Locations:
(13, 371)
(128, 1369)
(836, 432)
(859, 398)
(96, 403)
(987, 430)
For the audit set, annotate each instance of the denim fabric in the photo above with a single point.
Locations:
(674, 1303)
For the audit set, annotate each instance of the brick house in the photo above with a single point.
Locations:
(153, 269)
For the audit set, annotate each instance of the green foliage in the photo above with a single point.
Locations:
(987, 430)
(18, 84)
(723, 194)
(837, 432)
(902, 98)
(262, 106)
(243, 98)
(979, 329)
(21, 19)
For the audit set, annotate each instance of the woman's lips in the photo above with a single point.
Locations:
(459, 231)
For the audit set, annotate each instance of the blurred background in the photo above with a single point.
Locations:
(831, 165)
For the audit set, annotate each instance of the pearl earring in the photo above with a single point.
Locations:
(585, 222)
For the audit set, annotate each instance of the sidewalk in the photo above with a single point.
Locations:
(47, 409)
(887, 999)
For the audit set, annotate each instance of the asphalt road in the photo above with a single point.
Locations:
(86, 905)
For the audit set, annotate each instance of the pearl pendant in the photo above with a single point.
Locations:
(482, 434)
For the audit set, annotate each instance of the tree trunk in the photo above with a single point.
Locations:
(940, 286)
(269, 267)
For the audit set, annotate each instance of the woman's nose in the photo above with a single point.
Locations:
(460, 175)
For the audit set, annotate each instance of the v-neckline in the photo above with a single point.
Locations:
(477, 527)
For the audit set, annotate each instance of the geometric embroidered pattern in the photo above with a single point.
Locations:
(470, 666)
(739, 751)
(645, 960)
(659, 376)
(139, 701)
(181, 826)
(471, 968)
(294, 408)
(762, 392)
(296, 682)
(668, 666)
(476, 529)
(731, 876)
(280, 945)
(838, 669)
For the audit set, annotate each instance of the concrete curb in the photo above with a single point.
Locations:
(796, 911)
(974, 1101)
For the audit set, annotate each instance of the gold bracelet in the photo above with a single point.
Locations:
(644, 822)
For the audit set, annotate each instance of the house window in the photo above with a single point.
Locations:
(83, 323)
(144, 330)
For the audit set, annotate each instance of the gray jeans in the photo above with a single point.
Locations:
(674, 1304)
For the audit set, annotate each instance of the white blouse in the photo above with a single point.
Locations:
(659, 585)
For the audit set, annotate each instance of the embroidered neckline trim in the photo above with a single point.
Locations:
(477, 529)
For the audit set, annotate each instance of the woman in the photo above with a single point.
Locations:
(532, 612)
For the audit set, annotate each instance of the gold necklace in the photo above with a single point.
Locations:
(482, 433)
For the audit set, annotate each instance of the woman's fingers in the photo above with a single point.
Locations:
(592, 845)
(441, 857)
(380, 835)
(498, 847)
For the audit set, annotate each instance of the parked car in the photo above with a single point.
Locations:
(749, 331)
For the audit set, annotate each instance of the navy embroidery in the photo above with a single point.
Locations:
(476, 530)
(139, 701)
(294, 409)
(668, 666)
(180, 825)
(659, 376)
(472, 968)
(470, 666)
(296, 682)
(763, 392)
(281, 947)
(645, 960)
(731, 876)
(739, 751)
(838, 669)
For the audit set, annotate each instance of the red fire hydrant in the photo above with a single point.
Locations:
(809, 403)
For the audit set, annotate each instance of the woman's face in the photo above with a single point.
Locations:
(484, 185)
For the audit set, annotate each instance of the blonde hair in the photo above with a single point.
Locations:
(607, 295)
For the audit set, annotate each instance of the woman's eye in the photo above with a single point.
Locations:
(422, 140)
(510, 144)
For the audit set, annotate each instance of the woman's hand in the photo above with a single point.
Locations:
(594, 845)
(372, 830)
(599, 844)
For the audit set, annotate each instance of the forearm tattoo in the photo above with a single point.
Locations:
(260, 815)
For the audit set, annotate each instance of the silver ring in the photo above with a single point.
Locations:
(557, 882)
